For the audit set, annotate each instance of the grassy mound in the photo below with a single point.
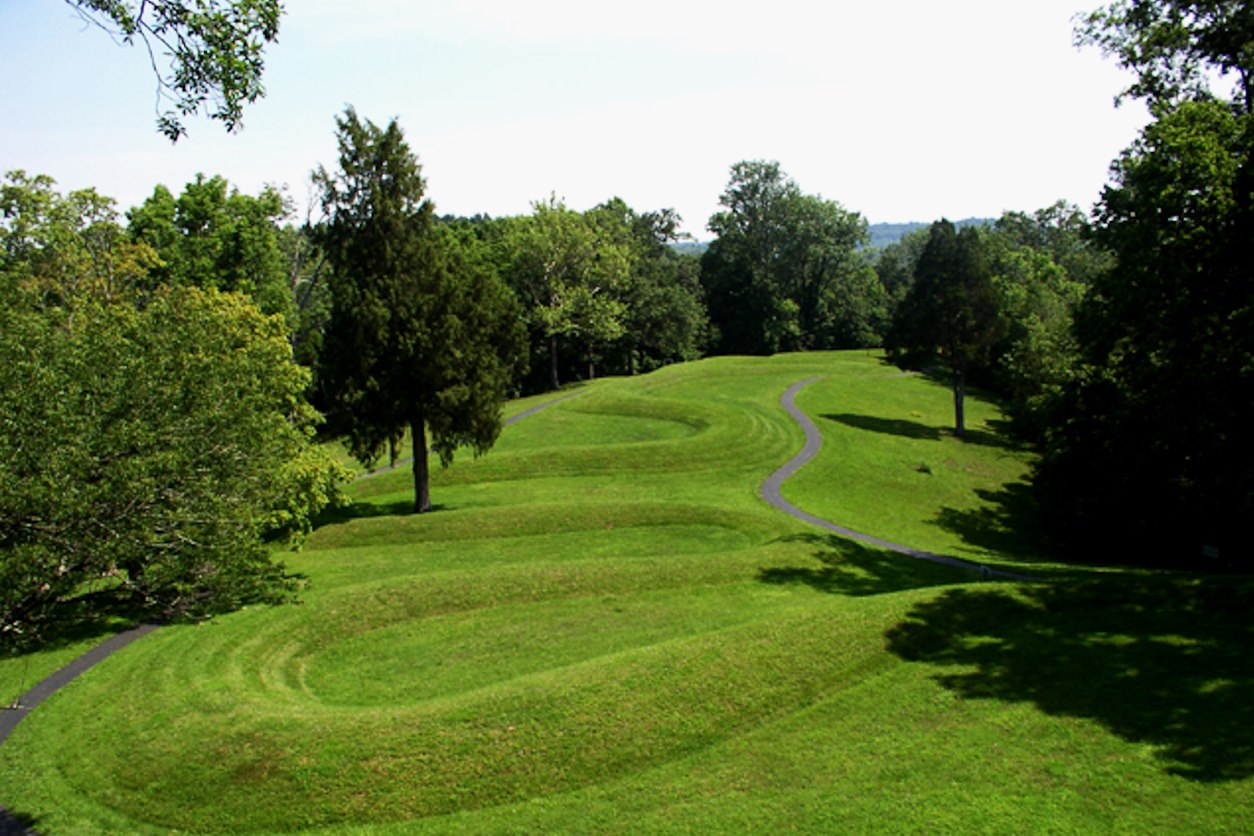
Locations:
(604, 628)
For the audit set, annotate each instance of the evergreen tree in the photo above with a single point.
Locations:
(417, 337)
(950, 315)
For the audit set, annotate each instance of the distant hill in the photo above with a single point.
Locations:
(881, 234)
(690, 247)
(884, 234)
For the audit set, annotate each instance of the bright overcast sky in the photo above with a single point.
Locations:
(899, 109)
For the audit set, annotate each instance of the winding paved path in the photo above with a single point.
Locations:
(770, 491)
(16, 713)
(10, 717)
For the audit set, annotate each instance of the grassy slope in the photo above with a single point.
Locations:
(605, 629)
(891, 466)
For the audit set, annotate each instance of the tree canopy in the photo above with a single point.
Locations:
(1176, 48)
(149, 450)
(1144, 439)
(785, 272)
(951, 313)
(1143, 461)
(215, 49)
(570, 274)
(418, 337)
(214, 236)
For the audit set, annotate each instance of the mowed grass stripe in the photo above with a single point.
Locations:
(542, 734)
(619, 635)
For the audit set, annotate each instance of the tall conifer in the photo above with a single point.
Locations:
(417, 339)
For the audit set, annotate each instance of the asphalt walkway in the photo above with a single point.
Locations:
(770, 492)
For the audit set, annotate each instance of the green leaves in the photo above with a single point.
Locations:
(1144, 438)
(215, 48)
(213, 236)
(1176, 48)
(571, 271)
(151, 449)
(784, 273)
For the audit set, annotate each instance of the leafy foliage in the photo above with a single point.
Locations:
(63, 247)
(150, 449)
(1042, 265)
(214, 236)
(569, 274)
(664, 317)
(1144, 459)
(1145, 439)
(1176, 47)
(215, 50)
(785, 272)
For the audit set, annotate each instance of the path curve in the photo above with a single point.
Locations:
(11, 715)
(770, 491)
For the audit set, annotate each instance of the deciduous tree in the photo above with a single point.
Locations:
(67, 247)
(214, 236)
(1146, 461)
(149, 449)
(1177, 48)
(1145, 450)
(569, 275)
(664, 315)
(785, 272)
(215, 49)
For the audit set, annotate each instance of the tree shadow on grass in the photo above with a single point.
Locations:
(16, 824)
(89, 617)
(846, 567)
(363, 509)
(1007, 523)
(1163, 661)
(913, 429)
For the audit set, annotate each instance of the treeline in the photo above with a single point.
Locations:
(1014, 307)
(157, 368)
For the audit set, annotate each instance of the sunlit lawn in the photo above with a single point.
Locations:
(603, 628)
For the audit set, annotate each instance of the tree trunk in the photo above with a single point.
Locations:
(960, 385)
(592, 369)
(422, 474)
(553, 362)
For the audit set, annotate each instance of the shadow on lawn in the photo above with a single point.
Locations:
(1006, 523)
(1157, 660)
(16, 824)
(847, 567)
(93, 615)
(924, 432)
(365, 509)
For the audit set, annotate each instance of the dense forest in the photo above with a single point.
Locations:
(165, 371)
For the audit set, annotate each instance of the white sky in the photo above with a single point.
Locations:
(899, 109)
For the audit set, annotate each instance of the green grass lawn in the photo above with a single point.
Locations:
(603, 628)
